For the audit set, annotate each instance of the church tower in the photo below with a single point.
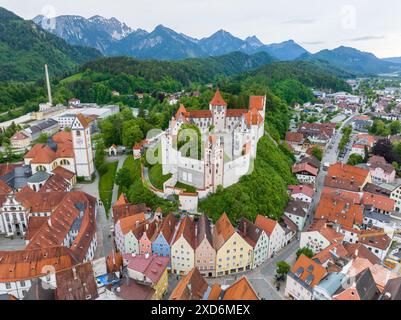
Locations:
(83, 151)
(214, 163)
(218, 107)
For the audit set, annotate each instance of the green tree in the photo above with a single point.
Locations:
(355, 159)
(305, 251)
(395, 127)
(42, 138)
(131, 133)
(123, 178)
(282, 268)
(317, 152)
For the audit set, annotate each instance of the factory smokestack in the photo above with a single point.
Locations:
(49, 90)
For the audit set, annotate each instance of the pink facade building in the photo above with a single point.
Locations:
(205, 254)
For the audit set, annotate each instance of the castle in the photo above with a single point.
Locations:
(229, 140)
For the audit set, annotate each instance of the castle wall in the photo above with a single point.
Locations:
(234, 170)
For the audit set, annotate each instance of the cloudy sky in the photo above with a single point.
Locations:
(368, 25)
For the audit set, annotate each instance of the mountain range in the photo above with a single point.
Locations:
(25, 48)
(114, 38)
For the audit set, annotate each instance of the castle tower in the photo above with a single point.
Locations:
(83, 151)
(214, 163)
(219, 110)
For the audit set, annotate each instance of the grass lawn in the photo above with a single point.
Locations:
(106, 184)
(74, 77)
(186, 187)
(156, 176)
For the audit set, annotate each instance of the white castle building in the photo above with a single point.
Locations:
(229, 144)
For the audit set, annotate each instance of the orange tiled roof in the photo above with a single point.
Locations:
(236, 113)
(218, 100)
(191, 287)
(83, 120)
(305, 267)
(257, 102)
(61, 222)
(128, 223)
(64, 173)
(322, 226)
(342, 176)
(55, 183)
(28, 264)
(253, 117)
(378, 201)
(301, 167)
(266, 224)
(335, 209)
(200, 114)
(187, 230)
(240, 290)
(296, 137)
(223, 231)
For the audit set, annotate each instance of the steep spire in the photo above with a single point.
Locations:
(218, 99)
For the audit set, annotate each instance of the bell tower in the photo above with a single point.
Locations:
(83, 152)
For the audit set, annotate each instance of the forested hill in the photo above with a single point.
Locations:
(308, 73)
(25, 48)
(199, 70)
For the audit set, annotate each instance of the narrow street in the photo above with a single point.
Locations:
(103, 224)
(330, 156)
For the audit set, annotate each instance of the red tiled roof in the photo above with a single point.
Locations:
(200, 114)
(76, 283)
(346, 177)
(236, 113)
(335, 209)
(153, 267)
(27, 264)
(257, 102)
(191, 287)
(64, 173)
(306, 190)
(223, 231)
(321, 226)
(305, 267)
(240, 290)
(266, 224)
(296, 137)
(378, 202)
(304, 167)
(187, 230)
(218, 100)
(55, 183)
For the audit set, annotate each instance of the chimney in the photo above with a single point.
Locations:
(74, 272)
(356, 252)
(49, 90)
(146, 255)
(147, 227)
(49, 222)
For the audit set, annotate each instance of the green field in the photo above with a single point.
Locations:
(106, 184)
(156, 176)
(72, 78)
(186, 187)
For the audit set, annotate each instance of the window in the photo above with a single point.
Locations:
(8, 285)
(78, 133)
